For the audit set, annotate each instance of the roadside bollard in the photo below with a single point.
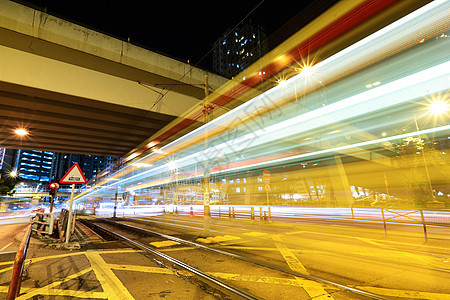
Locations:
(191, 213)
(265, 216)
(260, 213)
(234, 216)
(219, 213)
(252, 213)
(270, 213)
(229, 212)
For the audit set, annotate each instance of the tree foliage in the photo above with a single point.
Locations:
(8, 182)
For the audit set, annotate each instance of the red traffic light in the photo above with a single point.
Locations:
(54, 185)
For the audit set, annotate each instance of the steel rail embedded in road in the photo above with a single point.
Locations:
(176, 262)
(243, 258)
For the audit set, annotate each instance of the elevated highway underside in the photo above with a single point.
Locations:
(70, 124)
(80, 91)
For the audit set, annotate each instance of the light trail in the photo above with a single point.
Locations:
(387, 79)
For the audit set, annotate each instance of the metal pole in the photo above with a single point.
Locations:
(16, 277)
(424, 226)
(51, 203)
(384, 222)
(115, 205)
(69, 223)
(206, 200)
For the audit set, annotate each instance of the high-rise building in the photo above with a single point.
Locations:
(43, 166)
(238, 49)
(90, 165)
(32, 165)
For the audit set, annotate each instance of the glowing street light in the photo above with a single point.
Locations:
(438, 107)
(21, 132)
(13, 174)
(172, 165)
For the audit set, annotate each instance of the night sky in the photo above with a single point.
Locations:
(185, 30)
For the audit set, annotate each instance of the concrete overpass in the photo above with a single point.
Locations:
(80, 91)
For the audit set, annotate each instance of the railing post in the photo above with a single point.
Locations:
(353, 215)
(260, 213)
(270, 213)
(229, 212)
(16, 278)
(234, 216)
(384, 222)
(424, 226)
(252, 213)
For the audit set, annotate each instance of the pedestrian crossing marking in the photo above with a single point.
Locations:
(218, 239)
(163, 244)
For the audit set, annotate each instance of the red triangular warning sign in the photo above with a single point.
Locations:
(74, 176)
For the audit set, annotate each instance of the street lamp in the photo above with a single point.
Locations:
(438, 107)
(21, 132)
(13, 174)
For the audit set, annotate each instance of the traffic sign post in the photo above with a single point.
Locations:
(54, 186)
(73, 176)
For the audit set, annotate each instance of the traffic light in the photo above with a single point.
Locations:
(54, 186)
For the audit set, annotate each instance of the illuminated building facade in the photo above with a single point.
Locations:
(238, 49)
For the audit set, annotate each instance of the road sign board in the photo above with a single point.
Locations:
(267, 187)
(266, 174)
(74, 176)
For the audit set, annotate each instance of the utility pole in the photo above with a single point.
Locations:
(206, 210)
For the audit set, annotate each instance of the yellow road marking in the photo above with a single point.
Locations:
(370, 241)
(295, 232)
(45, 290)
(315, 290)
(249, 248)
(267, 279)
(164, 244)
(111, 285)
(218, 239)
(293, 262)
(405, 293)
(255, 233)
(37, 259)
(178, 249)
(156, 270)
(375, 240)
(59, 292)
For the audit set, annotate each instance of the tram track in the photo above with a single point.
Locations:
(204, 275)
(423, 253)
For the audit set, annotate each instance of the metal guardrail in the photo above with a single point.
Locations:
(263, 213)
(16, 278)
(383, 215)
(43, 223)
